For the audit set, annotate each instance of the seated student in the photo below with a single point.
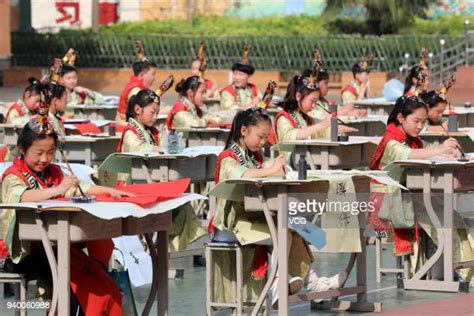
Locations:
(187, 111)
(401, 141)
(293, 122)
(33, 178)
(140, 133)
(141, 136)
(57, 97)
(212, 90)
(242, 158)
(322, 103)
(240, 94)
(435, 122)
(144, 72)
(357, 89)
(21, 111)
(411, 81)
(77, 94)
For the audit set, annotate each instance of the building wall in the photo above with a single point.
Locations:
(5, 46)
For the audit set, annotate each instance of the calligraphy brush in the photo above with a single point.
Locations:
(463, 154)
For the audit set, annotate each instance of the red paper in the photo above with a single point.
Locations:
(162, 190)
(87, 128)
(3, 153)
(148, 193)
(119, 128)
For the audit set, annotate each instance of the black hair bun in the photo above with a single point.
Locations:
(180, 85)
(34, 82)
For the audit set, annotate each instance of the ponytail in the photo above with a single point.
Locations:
(34, 87)
(409, 79)
(191, 83)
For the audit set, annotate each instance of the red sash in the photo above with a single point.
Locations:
(154, 133)
(272, 138)
(52, 174)
(15, 106)
(350, 88)
(209, 84)
(229, 153)
(402, 237)
(393, 133)
(133, 82)
(231, 89)
(178, 107)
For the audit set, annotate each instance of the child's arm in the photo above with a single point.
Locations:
(449, 147)
(277, 169)
(39, 195)
(98, 189)
(306, 132)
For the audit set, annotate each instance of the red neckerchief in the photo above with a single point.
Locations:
(15, 106)
(52, 175)
(393, 133)
(233, 92)
(178, 107)
(235, 154)
(272, 138)
(155, 135)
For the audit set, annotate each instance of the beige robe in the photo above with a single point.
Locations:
(249, 228)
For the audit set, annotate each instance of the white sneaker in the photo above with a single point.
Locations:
(337, 280)
(294, 286)
(322, 284)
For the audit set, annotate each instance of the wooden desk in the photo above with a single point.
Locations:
(95, 112)
(465, 115)
(437, 138)
(195, 163)
(205, 136)
(272, 196)
(89, 150)
(448, 177)
(375, 107)
(63, 222)
(332, 155)
(372, 125)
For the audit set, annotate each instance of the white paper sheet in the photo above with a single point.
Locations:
(110, 210)
(98, 123)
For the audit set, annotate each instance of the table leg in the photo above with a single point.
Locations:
(162, 267)
(154, 282)
(448, 226)
(63, 264)
(274, 259)
(88, 153)
(51, 260)
(282, 224)
(325, 158)
(309, 158)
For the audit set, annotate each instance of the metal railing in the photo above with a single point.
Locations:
(281, 53)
